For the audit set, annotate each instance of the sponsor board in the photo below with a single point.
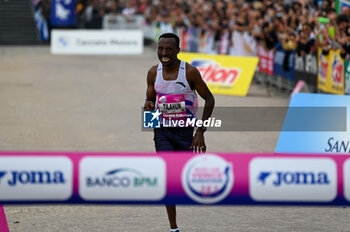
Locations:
(333, 131)
(228, 75)
(346, 176)
(347, 77)
(207, 179)
(35, 178)
(265, 60)
(174, 178)
(122, 178)
(278, 67)
(63, 13)
(96, 42)
(331, 72)
(293, 179)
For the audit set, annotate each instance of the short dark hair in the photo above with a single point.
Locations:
(342, 18)
(171, 35)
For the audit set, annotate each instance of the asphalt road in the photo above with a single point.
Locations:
(93, 103)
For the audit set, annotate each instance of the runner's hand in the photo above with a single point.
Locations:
(149, 105)
(198, 143)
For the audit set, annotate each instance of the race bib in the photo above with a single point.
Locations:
(172, 106)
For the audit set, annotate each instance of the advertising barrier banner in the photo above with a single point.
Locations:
(324, 70)
(265, 60)
(96, 42)
(227, 75)
(174, 178)
(284, 64)
(63, 13)
(347, 77)
(331, 72)
(112, 21)
(244, 44)
(316, 123)
(306, 69)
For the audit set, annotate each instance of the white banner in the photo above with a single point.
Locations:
(97, 42)
(111, 21)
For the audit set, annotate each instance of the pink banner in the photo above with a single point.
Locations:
(174, 178)
(3, 222)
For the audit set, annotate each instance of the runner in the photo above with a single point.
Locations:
(176, 81)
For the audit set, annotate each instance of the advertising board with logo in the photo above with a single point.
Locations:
(122, 178)
(292, 179)
(207, 178)
(346, 174)
(96, 42)
(265, 60)
(306, 69)
(63, 13)
(228, 75)
(347, 77)
(283, 64)
(174, 178)
(35, 178)
(323, 67)
(331, 72)
(316, 123)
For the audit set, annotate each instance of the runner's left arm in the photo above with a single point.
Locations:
(200, 86)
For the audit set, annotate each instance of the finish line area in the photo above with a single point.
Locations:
(174, 178)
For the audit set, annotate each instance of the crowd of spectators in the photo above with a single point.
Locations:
(210, 26)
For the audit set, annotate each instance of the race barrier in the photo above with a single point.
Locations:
(96, 42)
(228, 75)
(174, 178)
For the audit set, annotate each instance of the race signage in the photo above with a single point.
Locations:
(122, 178)
(284, 64)
(63, 13)
(316, 123)
(174, 178)
(331, 72)
(96, 42)
(293, 179)
(265, 60)
(347, 77)
(306, 69)
(227, 75)
(35, 178)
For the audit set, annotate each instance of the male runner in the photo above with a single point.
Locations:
(176, 81)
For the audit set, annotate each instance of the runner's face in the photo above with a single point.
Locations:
(167, 51)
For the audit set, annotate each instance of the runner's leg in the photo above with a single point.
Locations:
(171, 211)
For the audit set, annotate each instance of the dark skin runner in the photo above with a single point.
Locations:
(168, 50)
(167, 54)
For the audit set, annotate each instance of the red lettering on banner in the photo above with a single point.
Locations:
(324, 69)
(265, 60)
(216, 74)
(338, 74)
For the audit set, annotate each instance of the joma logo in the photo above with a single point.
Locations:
(295, 178)
(35, 177)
